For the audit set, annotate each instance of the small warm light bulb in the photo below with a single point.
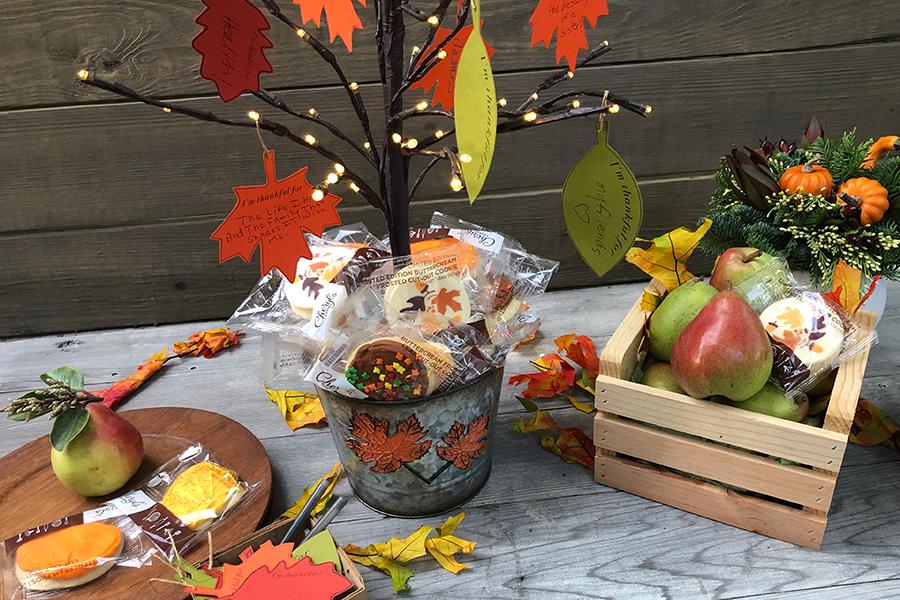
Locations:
(397, 138)
(605, 43)
(412, 143)
(339, 168)
(354, 86)
(466, 158)
(313, 112)
(442, 55)
(422, 105)
(83, 74)
(416, 50)
(648, 109)
(301, 34)
(456, 184)
(569, 74)
(433, 20)
(332, 178)
(310, 139)
(501, 102)
(534, 96)
(614, 109)
(576, 103)
(166, 109)
(439, 133)
(318, 195)
(254, 116)
(354, 187)
(530, 116)
(367, 146)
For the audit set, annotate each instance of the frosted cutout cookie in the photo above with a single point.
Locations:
(202, 493)
(313, 273)
(427, 287)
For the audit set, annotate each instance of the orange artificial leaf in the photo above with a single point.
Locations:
(846, 286)
(465, 444)
(556, 377)
(273, 216)
(580, 350)
(442, 76)
(666, 258)
(566, 19)
(207, 343)
(569, 443)
(117, 392)
(340, 14)
(388, 451)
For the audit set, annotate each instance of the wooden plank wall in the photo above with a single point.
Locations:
(108, 205)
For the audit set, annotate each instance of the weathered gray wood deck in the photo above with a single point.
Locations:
(544, 528)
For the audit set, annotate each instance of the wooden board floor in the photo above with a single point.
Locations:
(544, 528)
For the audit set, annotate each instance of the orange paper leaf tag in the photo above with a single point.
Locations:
(442, 76)
(273, 217)
(340, 14)
(566, 19)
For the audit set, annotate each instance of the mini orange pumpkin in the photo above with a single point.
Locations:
(807, 179)
(885, 144)
(868, 194)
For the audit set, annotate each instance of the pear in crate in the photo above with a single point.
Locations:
(659, 375)
(724, 351)
(770, 400)
(676, 310)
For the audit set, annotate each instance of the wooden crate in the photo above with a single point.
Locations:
(717, 444)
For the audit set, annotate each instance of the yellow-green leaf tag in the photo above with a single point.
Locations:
(602, 205)
(475, 103)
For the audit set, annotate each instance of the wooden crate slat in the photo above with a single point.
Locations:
(761, 433)
(735, 467)
(753, 514)
(848, 383)
(621, 351)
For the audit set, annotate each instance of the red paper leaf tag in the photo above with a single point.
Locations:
(566, 18)
(273, 217)
(340, 14)
(442, 76)
(232, 46)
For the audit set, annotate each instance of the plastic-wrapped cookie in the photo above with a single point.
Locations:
(313, 273)
(388, 369)
(427, 287)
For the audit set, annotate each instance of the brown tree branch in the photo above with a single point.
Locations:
(565, 74)
(438, 14)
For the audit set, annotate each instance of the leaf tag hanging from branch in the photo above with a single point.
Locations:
(475, 99)
(341, 16)
(602, 205)
(273, 217)
(565, 18)
(442, 76)
(232, 46)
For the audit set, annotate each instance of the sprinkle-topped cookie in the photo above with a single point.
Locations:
(388, 369)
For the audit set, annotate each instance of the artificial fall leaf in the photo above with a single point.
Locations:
(120, 390)
(567, 20)
(555, 378)
(465, 444)
(585, 407)
(846, 285)
(332, 478)
(232, 46)
(872, 427)
(580, 350)
(340, 14)
(666, 258)
(299, 409)
(649, 301)
(390, 556)
(569, 443)
(273, 216)
(207, 343)
(388, 451)
(442, 76)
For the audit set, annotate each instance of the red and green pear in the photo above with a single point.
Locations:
(723, 351)
(772, 401)
(736, 266)
(102, 457)
(675, 311)
(659, 375)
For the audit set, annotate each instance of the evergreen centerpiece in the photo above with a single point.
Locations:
(814, 203)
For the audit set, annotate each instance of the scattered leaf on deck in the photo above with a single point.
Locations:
(299, 409)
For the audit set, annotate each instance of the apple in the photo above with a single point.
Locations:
(759, 277)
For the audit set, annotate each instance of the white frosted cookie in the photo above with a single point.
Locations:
(427, 287)
(811, 330)
(313, 273)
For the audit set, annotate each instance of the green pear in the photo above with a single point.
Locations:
(677, 309)
(770, 400)
(659, 375)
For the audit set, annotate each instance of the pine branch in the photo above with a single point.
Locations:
(352, 89)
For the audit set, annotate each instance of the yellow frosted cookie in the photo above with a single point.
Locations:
(202, 493)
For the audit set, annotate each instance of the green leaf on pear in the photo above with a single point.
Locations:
(67, 426)
(67, 375)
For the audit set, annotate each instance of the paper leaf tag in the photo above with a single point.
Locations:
(602, 205)
(442, 77)
(341, 17)
(566, 18)
(475, 99)
(273, 217)
(232, 46)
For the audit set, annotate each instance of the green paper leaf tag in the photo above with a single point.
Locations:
(475, 103)
(67, 375)
(602, 205)
(320, 548)
(190, 575)
(67, 426)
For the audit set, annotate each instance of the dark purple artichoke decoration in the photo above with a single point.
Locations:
(754, 178)
(767, 148)
(814, 130)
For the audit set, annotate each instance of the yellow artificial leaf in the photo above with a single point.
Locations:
(444, 548)
(368, 557)
(649, 301)
(299, 409)
(332, 478)
(666, 258)
(845, 286)
(585, 407)
(408, 548)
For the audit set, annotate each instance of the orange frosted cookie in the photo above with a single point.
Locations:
(68, 557)
(202, 493)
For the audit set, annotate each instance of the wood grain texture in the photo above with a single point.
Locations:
(848, 382)
(31, 495)
(146, 43)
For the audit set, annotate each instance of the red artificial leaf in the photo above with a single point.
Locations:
(566, 18)
(232, 46)
(389, 452)
(340, 14)
(442, 76)
(117, 392)
(273, 217)
(558, 378)
(580, 350)
(465, 444)
(447, 299)
(207, 343)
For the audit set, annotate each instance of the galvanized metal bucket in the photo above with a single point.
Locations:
(417, 458)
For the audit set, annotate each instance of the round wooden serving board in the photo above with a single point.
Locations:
(30, 494)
